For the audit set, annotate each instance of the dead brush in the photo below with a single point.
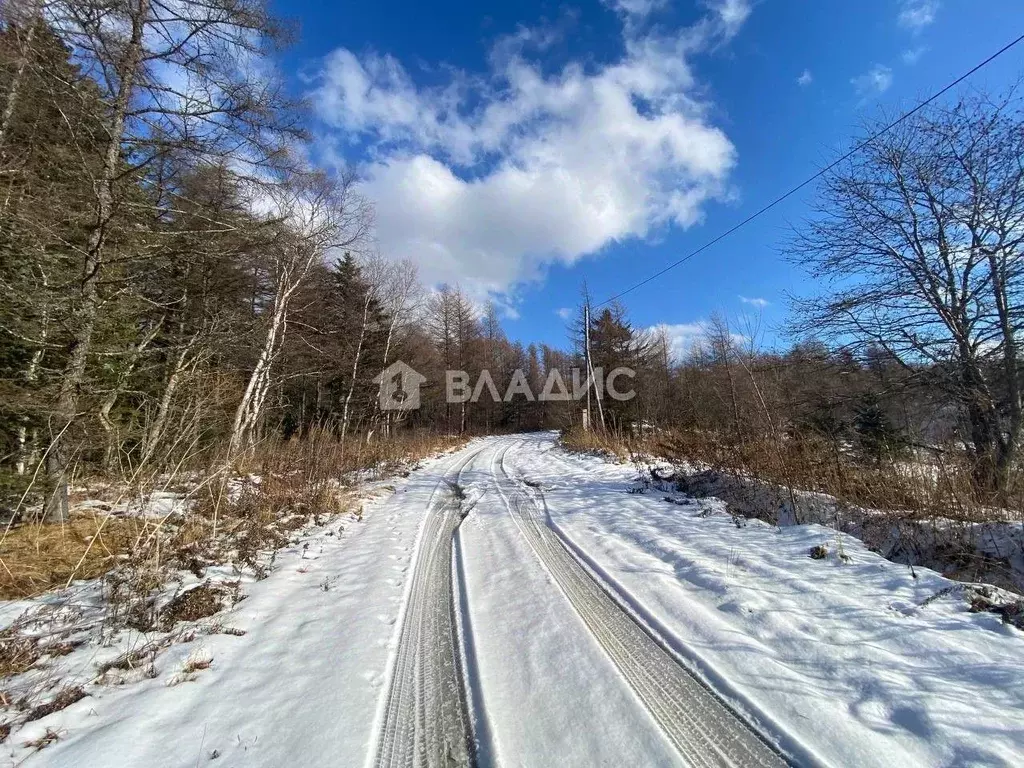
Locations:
(129, 593)
(32, 640)
(940, 487)
(191, 666)
(601, 443)
(18, 652)
(301, 480)
(198, 603)
(141, 659)
(256, 521)
(63, 699)
(52, 735)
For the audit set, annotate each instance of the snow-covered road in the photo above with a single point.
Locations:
(511, 604)
(424, 720)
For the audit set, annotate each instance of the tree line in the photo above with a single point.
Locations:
(178, 284)
(906, 347)
(158, 233)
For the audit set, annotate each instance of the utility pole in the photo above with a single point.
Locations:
(586, 361)
(590, 370)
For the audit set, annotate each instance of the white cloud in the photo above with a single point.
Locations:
(487, 180)
(915, 15)
(913, 55)
(755, 302)
(805, 79)
(564, 312)
(874, 82)
(636, 8)
(731, 13)
(684, 338)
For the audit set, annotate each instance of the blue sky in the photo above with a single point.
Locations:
(521, 148)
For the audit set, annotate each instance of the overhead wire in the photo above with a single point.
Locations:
(811, 179)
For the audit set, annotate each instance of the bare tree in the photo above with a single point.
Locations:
(174, 77)
(318, 216)
(919, 237)
(398, 291)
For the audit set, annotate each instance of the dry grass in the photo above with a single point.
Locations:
(194, 604)
(917, 489)
(941, 487)
(320, 456)
(17, 652)
(596, 442)
(37, 557)
(64, 699)
(919, 512)
(299, 482)
(193, 665)
(138, 658)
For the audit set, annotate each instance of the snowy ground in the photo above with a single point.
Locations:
(573, 622)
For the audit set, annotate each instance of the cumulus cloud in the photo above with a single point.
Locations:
(915, 15)
(755, 302)
(564, 312)
(874, 82)
(488, 179)
(805, 79)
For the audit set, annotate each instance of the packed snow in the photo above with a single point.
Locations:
(841, 659)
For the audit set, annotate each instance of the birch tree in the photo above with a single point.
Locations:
(173, 76)
(317, 216)
(401, 298)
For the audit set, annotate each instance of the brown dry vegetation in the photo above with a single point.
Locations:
(36, 557)
(597, 442)
(917, 513)
(299, 480)
(940, 488)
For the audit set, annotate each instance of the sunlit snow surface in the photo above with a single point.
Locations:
(842, 662)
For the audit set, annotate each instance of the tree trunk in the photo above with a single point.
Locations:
(26, 449)
(248, 412)
(379, 414)
(983, 422)
(355, 369)
(111, 399)
(1008, 445)
(85, 317)
(14, 92)
(156, 430)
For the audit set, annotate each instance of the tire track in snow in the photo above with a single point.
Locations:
(425, 720)
(700, 726)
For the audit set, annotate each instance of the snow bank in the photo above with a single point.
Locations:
(991, 552)
(294, 668)
(859, 660)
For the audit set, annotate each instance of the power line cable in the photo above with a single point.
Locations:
(816, 176)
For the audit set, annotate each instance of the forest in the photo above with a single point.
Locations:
(182, 292)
